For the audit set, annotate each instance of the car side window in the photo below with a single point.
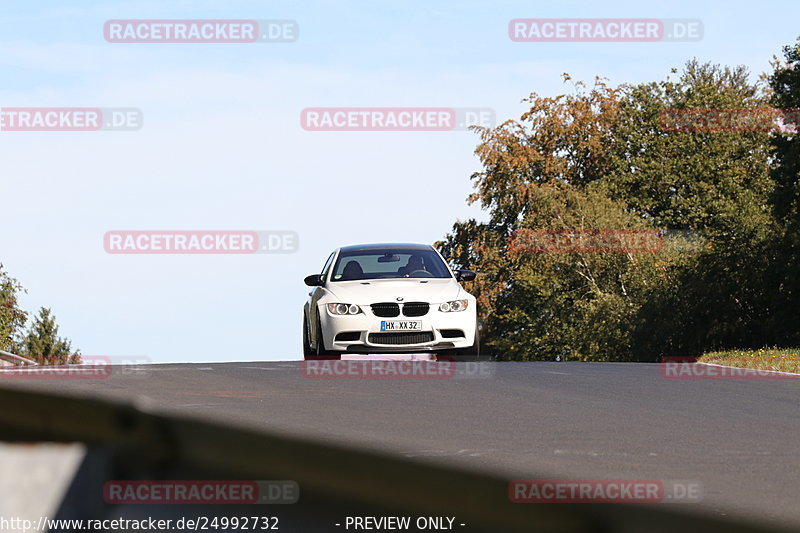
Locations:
(327, 266)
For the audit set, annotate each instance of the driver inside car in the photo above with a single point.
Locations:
(352, 270)
(414, 263)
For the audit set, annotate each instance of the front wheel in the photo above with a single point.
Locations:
(319, 352)
(471, 353)
(307, 351)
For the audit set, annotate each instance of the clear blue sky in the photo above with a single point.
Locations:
(222, 147)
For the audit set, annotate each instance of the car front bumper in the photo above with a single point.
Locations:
(438, 332)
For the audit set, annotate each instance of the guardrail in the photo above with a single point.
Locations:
(16, 359)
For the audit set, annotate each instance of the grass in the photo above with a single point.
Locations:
(778, 359)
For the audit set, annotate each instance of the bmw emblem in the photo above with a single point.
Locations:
(399, 299)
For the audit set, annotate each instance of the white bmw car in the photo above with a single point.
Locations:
(388, 298)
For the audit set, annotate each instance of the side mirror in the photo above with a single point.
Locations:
(314, 280)
(465, 275)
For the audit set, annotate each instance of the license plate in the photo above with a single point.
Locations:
(401, 325)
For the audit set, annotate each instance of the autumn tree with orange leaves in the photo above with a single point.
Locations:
(599, 159)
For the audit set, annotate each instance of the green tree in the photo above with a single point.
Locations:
(785, 85)
(12, 318)
(42, 343)
(715, 184)
(601, 158)
(707, 181)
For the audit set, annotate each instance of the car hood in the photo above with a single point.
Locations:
(389, 290)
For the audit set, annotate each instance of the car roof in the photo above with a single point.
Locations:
(381, 246)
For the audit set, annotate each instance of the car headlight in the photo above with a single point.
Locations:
(344, 309)
(454, 306)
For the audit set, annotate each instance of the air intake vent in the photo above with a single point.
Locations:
(411, 337)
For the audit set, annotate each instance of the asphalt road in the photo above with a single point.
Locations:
(739, 439)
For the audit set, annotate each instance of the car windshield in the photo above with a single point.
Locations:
(388, 263)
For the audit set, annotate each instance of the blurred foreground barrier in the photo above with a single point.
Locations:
(335, 483)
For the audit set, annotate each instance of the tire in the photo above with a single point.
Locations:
(306, 344)
(473, 353)
(319, 352)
